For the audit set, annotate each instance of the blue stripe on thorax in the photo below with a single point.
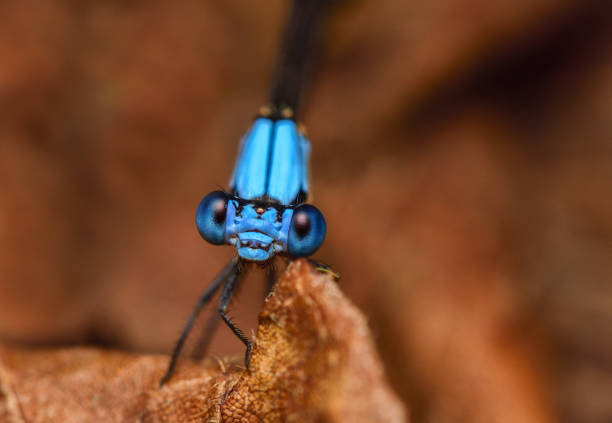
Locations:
(272, 163)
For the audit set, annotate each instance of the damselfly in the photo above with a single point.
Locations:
(264, 213)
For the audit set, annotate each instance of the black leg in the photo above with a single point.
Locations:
(271, 278)
(205, 337)
(230, 269)
(226, 296)
(324, 268)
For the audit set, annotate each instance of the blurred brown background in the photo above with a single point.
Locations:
(462, 155)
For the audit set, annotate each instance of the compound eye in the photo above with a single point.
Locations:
(210, 217)
(306, 232)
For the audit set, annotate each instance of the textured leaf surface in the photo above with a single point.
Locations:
(314, 360)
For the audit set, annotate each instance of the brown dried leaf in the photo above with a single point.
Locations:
(314, 360)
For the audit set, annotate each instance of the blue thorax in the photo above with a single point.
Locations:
(272, 163)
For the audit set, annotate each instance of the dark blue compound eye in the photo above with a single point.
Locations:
(210, 217)
(306, 232)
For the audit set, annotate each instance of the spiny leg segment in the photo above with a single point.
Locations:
(229, 271)
(206, 336)
(324, 268)
(226, 296)
(271, 278)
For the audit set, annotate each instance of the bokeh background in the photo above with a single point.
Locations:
(462, 155)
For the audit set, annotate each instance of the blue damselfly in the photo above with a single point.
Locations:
(264, 213)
